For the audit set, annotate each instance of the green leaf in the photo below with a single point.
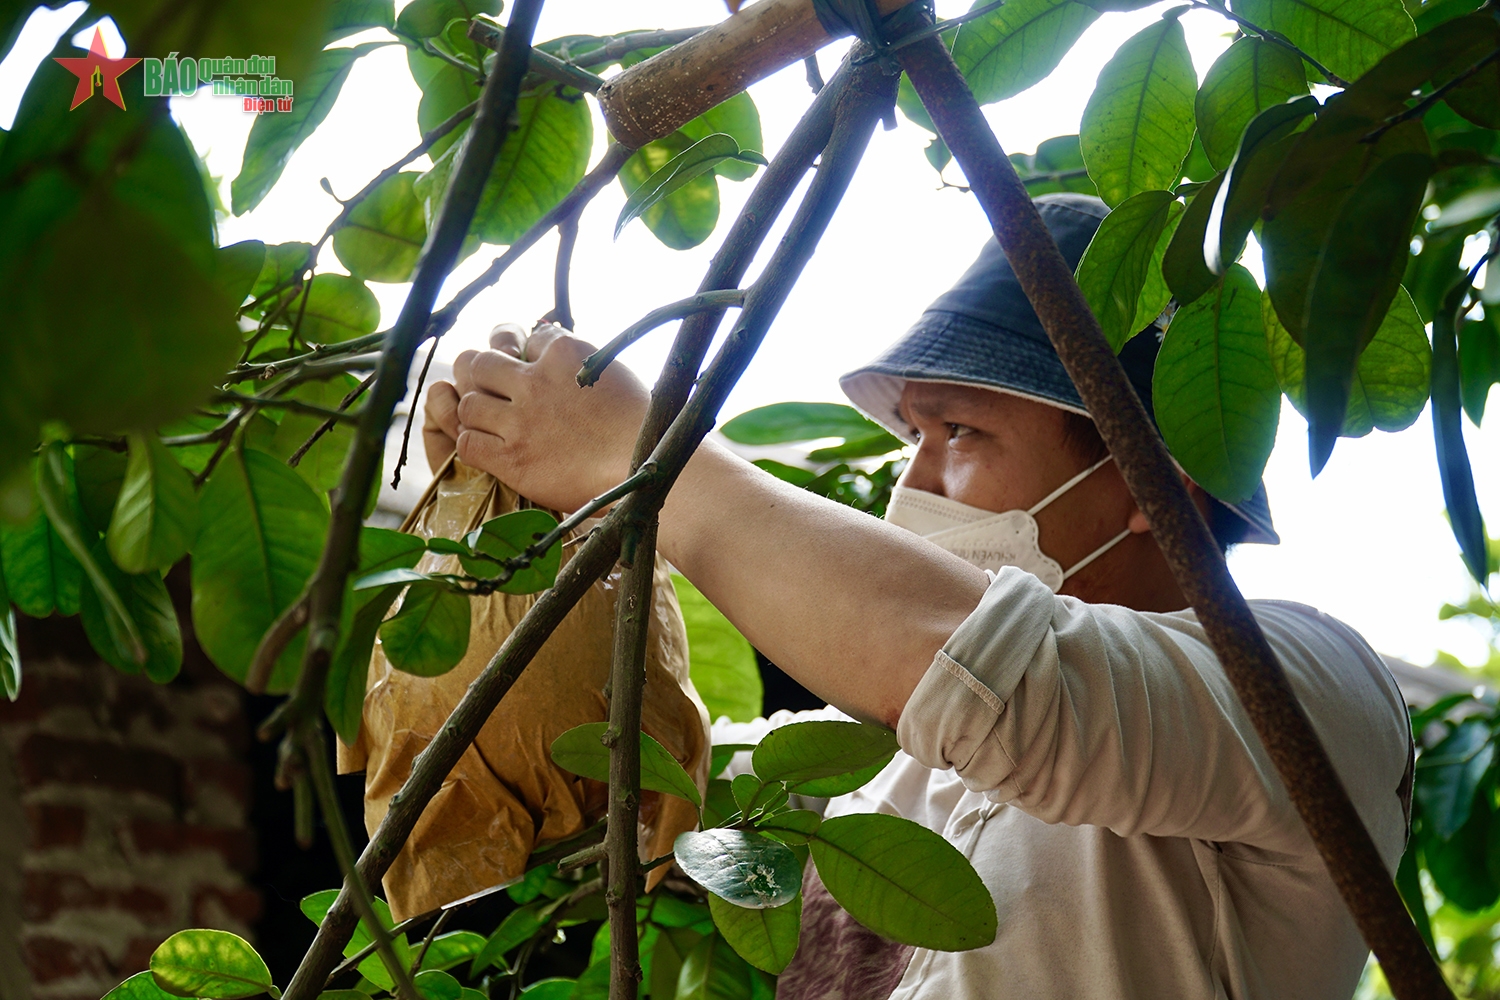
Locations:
(794, 827)
(322, 465)
(554, 988)
(1357, 276)
(766, 938)
(1450, 774)
(1251, 76)
(721, 661)
(59, 498)
(448, 950)
(149, 606)
(1018, 45)
(1293, 235)
(718, 804)
(1447, 426)
(343, 995)
(506, 537)
(344, 691)
(1057, 165)
(1138, 125)
(786, 473)
(207, 963)
(429, 634)
(1478, 364)
(385, 232)
(539, 163)
(697, 159)
(293, 31)
(434, 985)
(744, 868)
(581, 750)
(237, 267)
(673, 945)
(518, 927)
(1458, 865)
(391, 577)
(722, 754)
(259, 541)
(783, 423)
(1409, 883)
(156, 516)
(1238, 201)
(141, 986)
(1182, 266)
(339, 307)
(41, 574)
(1215, 393)
(872, 446)
(1155, 295)
(1390, 382)
(1347, 36)
(350, 16)
(316, 905)
(806, 751)
(714, 971)
(427, 18)
(274, 138)
(1114, 268)
(99, 473)
(904, 882)
(10, 650)
(738, 118)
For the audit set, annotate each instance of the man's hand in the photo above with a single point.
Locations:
(519, 414)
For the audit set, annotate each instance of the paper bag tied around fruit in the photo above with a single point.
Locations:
(506, 797)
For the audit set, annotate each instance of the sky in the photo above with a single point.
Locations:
(1367, 541)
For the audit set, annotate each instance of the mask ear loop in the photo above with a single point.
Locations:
(1080, 564)
(1065, 487)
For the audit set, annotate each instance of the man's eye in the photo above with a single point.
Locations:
(956, 431)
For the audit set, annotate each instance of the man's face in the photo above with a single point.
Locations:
(985, 448)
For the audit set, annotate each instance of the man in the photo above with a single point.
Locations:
(1063, 719)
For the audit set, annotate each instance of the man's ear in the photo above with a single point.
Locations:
(1137, 522)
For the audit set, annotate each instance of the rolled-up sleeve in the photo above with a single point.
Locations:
(1096, 714)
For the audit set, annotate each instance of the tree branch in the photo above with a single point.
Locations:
(562, 304)
(476, 157)
(622, 875)
(1421, 107)
(328, 425)
(718, 301)
(315, 755)
(543, 64)
(411, 413)
(1189, 548)
(283, 403)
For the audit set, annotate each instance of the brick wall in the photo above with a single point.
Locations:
(133, 799)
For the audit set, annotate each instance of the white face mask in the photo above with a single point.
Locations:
(986, 539)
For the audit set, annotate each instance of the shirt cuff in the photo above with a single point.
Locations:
(949, 721)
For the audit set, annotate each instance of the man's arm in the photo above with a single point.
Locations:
(853, 608)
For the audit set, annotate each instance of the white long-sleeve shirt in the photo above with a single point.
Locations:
(1096, 767)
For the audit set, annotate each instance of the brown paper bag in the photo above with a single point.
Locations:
(506, 797)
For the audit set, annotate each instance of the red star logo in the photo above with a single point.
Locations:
(97, 66)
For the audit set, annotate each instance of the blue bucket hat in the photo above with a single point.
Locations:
(983, 332)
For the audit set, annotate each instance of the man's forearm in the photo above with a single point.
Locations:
(851, 607)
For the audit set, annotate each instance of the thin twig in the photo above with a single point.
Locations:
(562, 301)
(594, 364)
(1275, 38)
(634, 41)
(1421, 107)
(814, 75)
(437, 927)
(593, 182)
(543, 64)
(328, 425)
(411, 413)
(285, 403)
(277, 638)
(270, 369)
(315, 756)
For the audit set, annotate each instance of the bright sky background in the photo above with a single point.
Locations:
(1367, 541)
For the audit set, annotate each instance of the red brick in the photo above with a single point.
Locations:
(47, 758)
(55, 825)
(240, 904)
(137, 956)
(51, 958)
(229, 776)
(48, 689)
(46, 893)
(235, 845)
